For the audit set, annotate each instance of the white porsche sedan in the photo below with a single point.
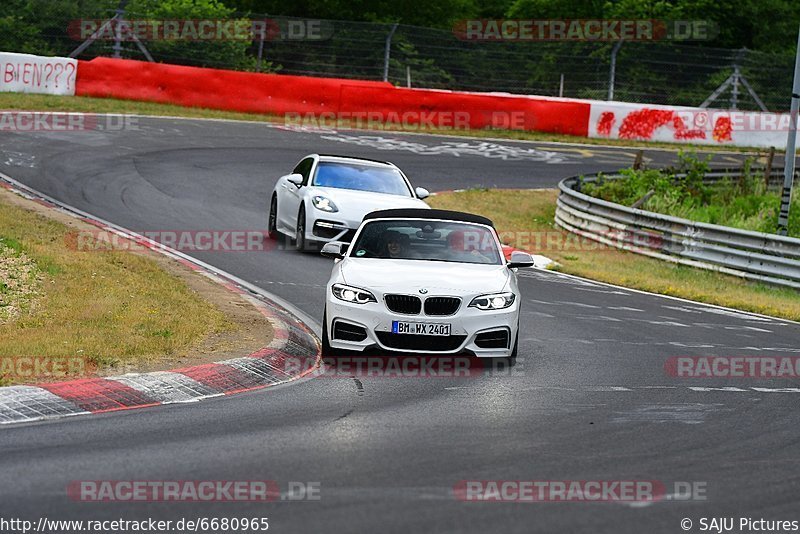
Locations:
(423, 281)
(326, 197)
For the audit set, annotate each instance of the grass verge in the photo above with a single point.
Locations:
(20, 101)
(106, 312)
(525, 220)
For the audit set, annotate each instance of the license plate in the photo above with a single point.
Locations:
(421, 329)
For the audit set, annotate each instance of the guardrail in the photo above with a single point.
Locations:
(769, 258)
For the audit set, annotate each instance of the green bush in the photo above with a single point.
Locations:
(743, 202)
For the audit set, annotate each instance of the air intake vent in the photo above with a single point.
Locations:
(426, 343)
(496, 339)
(348, 332)
(405, 304)
(441, 305)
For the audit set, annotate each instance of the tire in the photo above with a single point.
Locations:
(325, 346)
(503, 363)
(272, 223)
(300, 232)
(512, 359)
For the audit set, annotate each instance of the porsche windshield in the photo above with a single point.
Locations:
(359, 177)
(430, 240)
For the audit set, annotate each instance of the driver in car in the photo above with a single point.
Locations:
(396, 244)
(457, 249)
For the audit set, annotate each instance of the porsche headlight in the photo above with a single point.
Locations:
(324, 204)
(352, 294)
(493, 301)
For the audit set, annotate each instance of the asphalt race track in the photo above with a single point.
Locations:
(588, 400)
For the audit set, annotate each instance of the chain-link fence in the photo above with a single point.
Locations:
(647, 72)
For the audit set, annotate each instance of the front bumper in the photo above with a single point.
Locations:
(324, 226)
(470, 328)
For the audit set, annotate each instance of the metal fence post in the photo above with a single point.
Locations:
(120, 16)
(386, 53)
(735, 88)
(261, 37)
(116, 22)
(613, 70)
(791, 143)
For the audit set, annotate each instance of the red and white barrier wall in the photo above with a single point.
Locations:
(673, 124)
(301, 96)
(26, 73)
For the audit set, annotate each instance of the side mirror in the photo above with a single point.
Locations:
(334, 249)
(520, 259)
(422, 193)
(296, 179)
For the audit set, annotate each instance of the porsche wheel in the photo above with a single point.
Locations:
(272, 224)
(300, 234)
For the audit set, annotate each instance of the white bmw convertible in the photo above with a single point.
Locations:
(423, 281)
(326, 197)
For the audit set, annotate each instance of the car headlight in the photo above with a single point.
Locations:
(493, 301)
(324, 204)
(352, 294)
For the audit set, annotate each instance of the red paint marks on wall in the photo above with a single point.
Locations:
(723, 130)
(642, 124)
(606, 123)
(689, 134)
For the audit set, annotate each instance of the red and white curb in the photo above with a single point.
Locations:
(292, 354)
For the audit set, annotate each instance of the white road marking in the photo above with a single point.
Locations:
(605, 291)
(541, 314)
(727, 388)
(689, 413)
(599, 318)
(732, 313)
(661, 323)
(544, 302)
(452, 148)
(580, 304)
(684, 309)
(731, 327)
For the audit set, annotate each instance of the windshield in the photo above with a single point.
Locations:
(359, 177)
(429, 240)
